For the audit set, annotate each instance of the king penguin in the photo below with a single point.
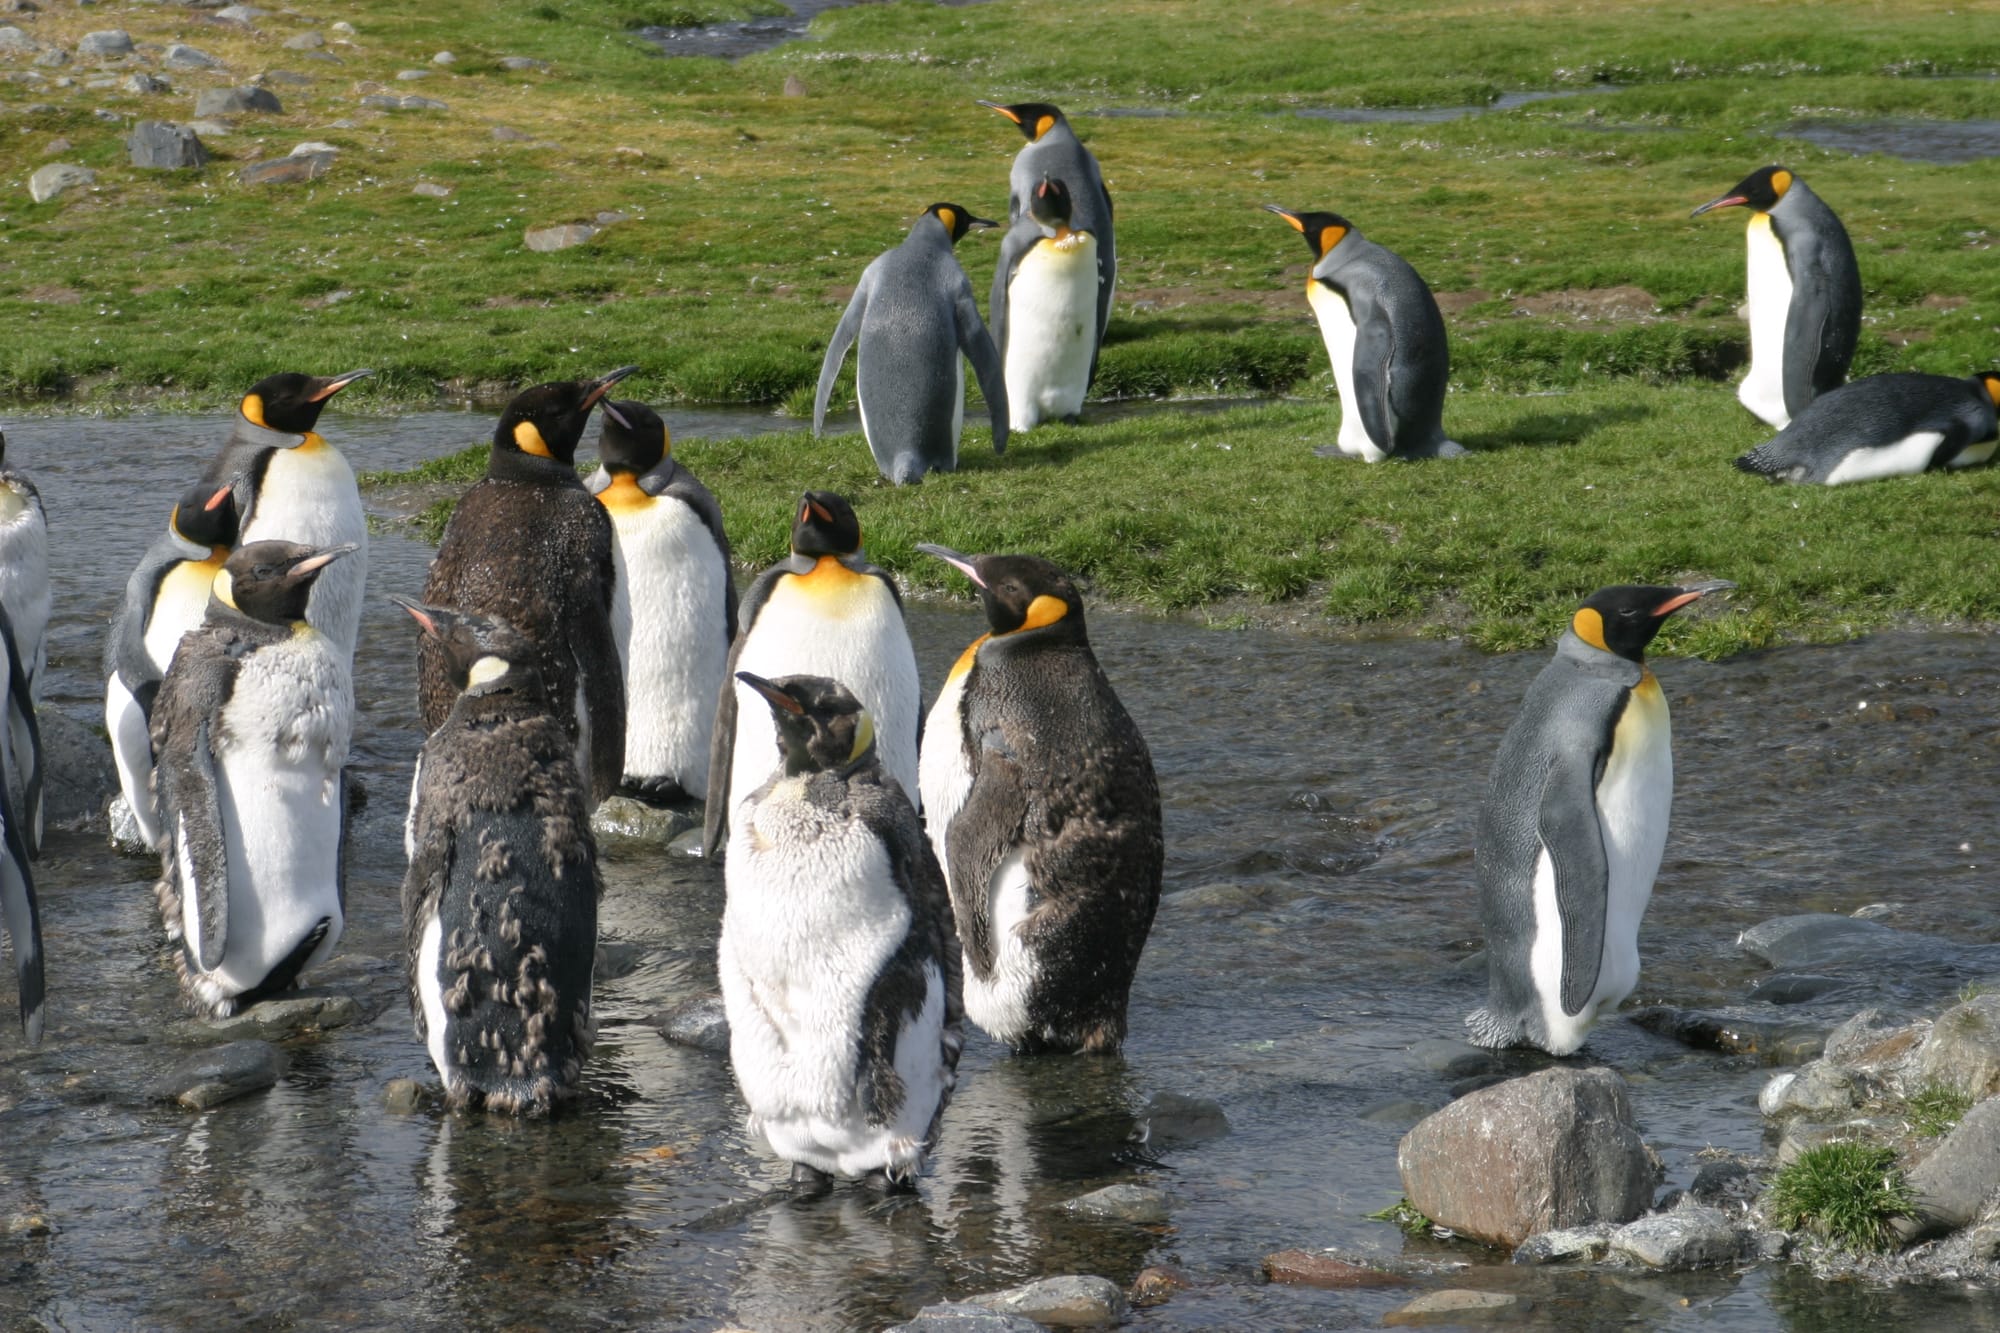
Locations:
(1043, 317)
(24, 595)
(839, 971)
(500, 902)
(166, 596)
(673, 609)
(1385, 338)
(1804, 294)
(1884, 426)
(292, 486)
(1045, 812)
(19, 911)
(528, 544)
(251, 730)
(1573, 824)
(914, 317)
(823, 610)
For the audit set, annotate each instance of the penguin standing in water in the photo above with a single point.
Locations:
(1385, 338)
(824, 610)
(1804, 294)
(839, 970)
(500, 902)
(166, 597)
(19, 911)
(529, 545)
(292, 486)
(914, 316)
(673, 606)
(251, 729)
(1884, 426)
(24, 595)
(1573, 824)
(1045, 812)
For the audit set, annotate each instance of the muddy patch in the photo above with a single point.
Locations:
(52, 293)
(1591, 305)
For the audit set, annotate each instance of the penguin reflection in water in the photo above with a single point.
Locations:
(839, 971)
(251, 729)
(1573, 825)
(500, 902)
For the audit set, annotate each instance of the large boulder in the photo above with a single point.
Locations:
(1953, 1183)
(160, 146)
(105, 45)
(1963, 1049)
(1552, 1150)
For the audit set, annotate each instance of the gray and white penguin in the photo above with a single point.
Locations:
(250, 733)
(292, 486)
(528, 544)
(839, 971)
(673, 603)
(500, 901)
(24, 595)
(1884, 426)
(1573, 825)
(911, 319)
(1044, 293)
(1043, 806)
(20, 912)
(1385, 338)
(824, 610)
(1804, 294)
(165, 597)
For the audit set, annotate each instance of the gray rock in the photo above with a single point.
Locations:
(1963, 1049)
(1802, 1136)
(23, 7)
(1060, 1302)
(623, 817)
(1404, 1111)
(295, 170)
(103, 85)
(305, 41)
(431, 190)
(1733, 1032)
(1588, 1244)
(1693, 1236)
(612, 218)
(1172, 1117)
(279, 1019)
(342, 28)
(794, 86)
(53, 179)
(522, 63)
(160, 145)
(1552, 1150)
(180, 56)
(404, 1096)
(688, 844)
(701, 1023)
(543, 240)
(124, 827)
(105, 45)
(14, 42)
(956, 1317)
(1795, 987)
(53, 58)
(1955, 1180)
(1123, 1203)
(1458, 1306)
(311, 146)
(1886, 1053)
(239, 13)
(220, 1074)
(212, 129)
(444, 58)
(508, 134)
(1820, 1088)
(412, 75)
(1819, 940)
(145, 84)
(1731, 1184)
(1453, 1059)
(78, 775)
(391, 102)
(25, 1226)
(232, 101)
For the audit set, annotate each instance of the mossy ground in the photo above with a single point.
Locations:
(1845, 1193)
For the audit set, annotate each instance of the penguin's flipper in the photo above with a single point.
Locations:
(1019, 240)
(23, 917)
(977, 345)
(25, 736)
(722, 741)
(987, 827)
(1824, 320)
(201, 849)
(1573, 845)
(1374, 371)
(188, 789)
(844, 334)
(683, 486)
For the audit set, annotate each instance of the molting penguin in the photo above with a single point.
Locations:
(251, 729)
(824, 610)
(1047, 284)
(166, 596)
(839, 970)
(1573, 825)
(24, 595)
(914, 316)
(1804, 294)
(1385, 338)
(673, 609)
(292, 486)
(530, 546)
(500, 902)
(1045, 812)
(1884, 426)
(19, 911)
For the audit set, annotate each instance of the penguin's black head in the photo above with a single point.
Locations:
(825, 525)
(1034, 118)
(547, 421)
(821, 725)
(207, 515)
(1050, 204)
(270, 581)
(1322, 231)
(1761, 190)
(292, 402)
(957, 221)
(631, 438)
(1020, 593)
(482, 653)
(1624, 619)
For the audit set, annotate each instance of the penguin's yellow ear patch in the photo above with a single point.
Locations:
(253, 409)
(1588, 625)
(529, 437)
(1044, 610)
(864, 735)
(224, 589)
(1330, 237)
(485, 669)
(1992, 383)
(1044, 125)
(949, 218)
(1781, 181)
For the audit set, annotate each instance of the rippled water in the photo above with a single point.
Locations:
(1948, 142)
(1319, 802)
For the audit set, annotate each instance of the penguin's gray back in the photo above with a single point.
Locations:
(1402, 359)
(909, 378)
(1823, 322)
(24, 571)
(1881, 426)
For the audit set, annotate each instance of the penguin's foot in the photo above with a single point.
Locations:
(881, 1182)
(809, 1182)
(1329, 451)
(653, 791)
(1073, 419)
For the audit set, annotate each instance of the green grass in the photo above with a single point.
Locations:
(1844, 1193)
(1935, 1109)
(1405, 1218)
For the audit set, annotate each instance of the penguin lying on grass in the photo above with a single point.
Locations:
(1573, 824)
(1884, 426)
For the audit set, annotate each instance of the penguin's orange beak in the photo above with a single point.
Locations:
(1007, 111)
(1727, 201)
(967, 565)
(777, 697)
(1298, 223)
(215, 500)
(1689, 594)
(603, 386)
(333, 384)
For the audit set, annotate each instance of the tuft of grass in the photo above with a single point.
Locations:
(1844, 1193)
(1402, 1215)
(1936, 1108)
(1971, 991)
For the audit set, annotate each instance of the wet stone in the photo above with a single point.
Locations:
(278, 1019)
(1172, 1117)
(1458, 1307)
(1802, 1136)
(688, 844)
(1817, 940)
(78, 774)
(957, 1317)
(1820, 1088)
(1963, 1049)
(1795, 987)
(1453, 1059)
(545, 240)
(1141, 1204)
(220, 1074)
(1303, 1268)
(1404, 1111)
(234, 101)
(1587, 1244)
(623, 817)
(1731, 1185)
(105, 45)
(160, 145)
(701, 1023)
(24, 1226)
(1060, 1302)
(49, 181)
(1157, 1285)
(404, 1096)
(1952, 1184)
(1689, 1237)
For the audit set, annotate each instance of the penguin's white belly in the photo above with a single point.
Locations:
(309, 496)
(998, 1002)
(132, 751)
(24, 580)
(1906, 456)
(1336, 328)
(1770, 300)
(669, 613)
(848, 629)
(178, 606)
(1051, 330)
(943, 772)
(813, 914)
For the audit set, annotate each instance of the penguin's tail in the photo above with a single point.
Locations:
(1767, 461)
